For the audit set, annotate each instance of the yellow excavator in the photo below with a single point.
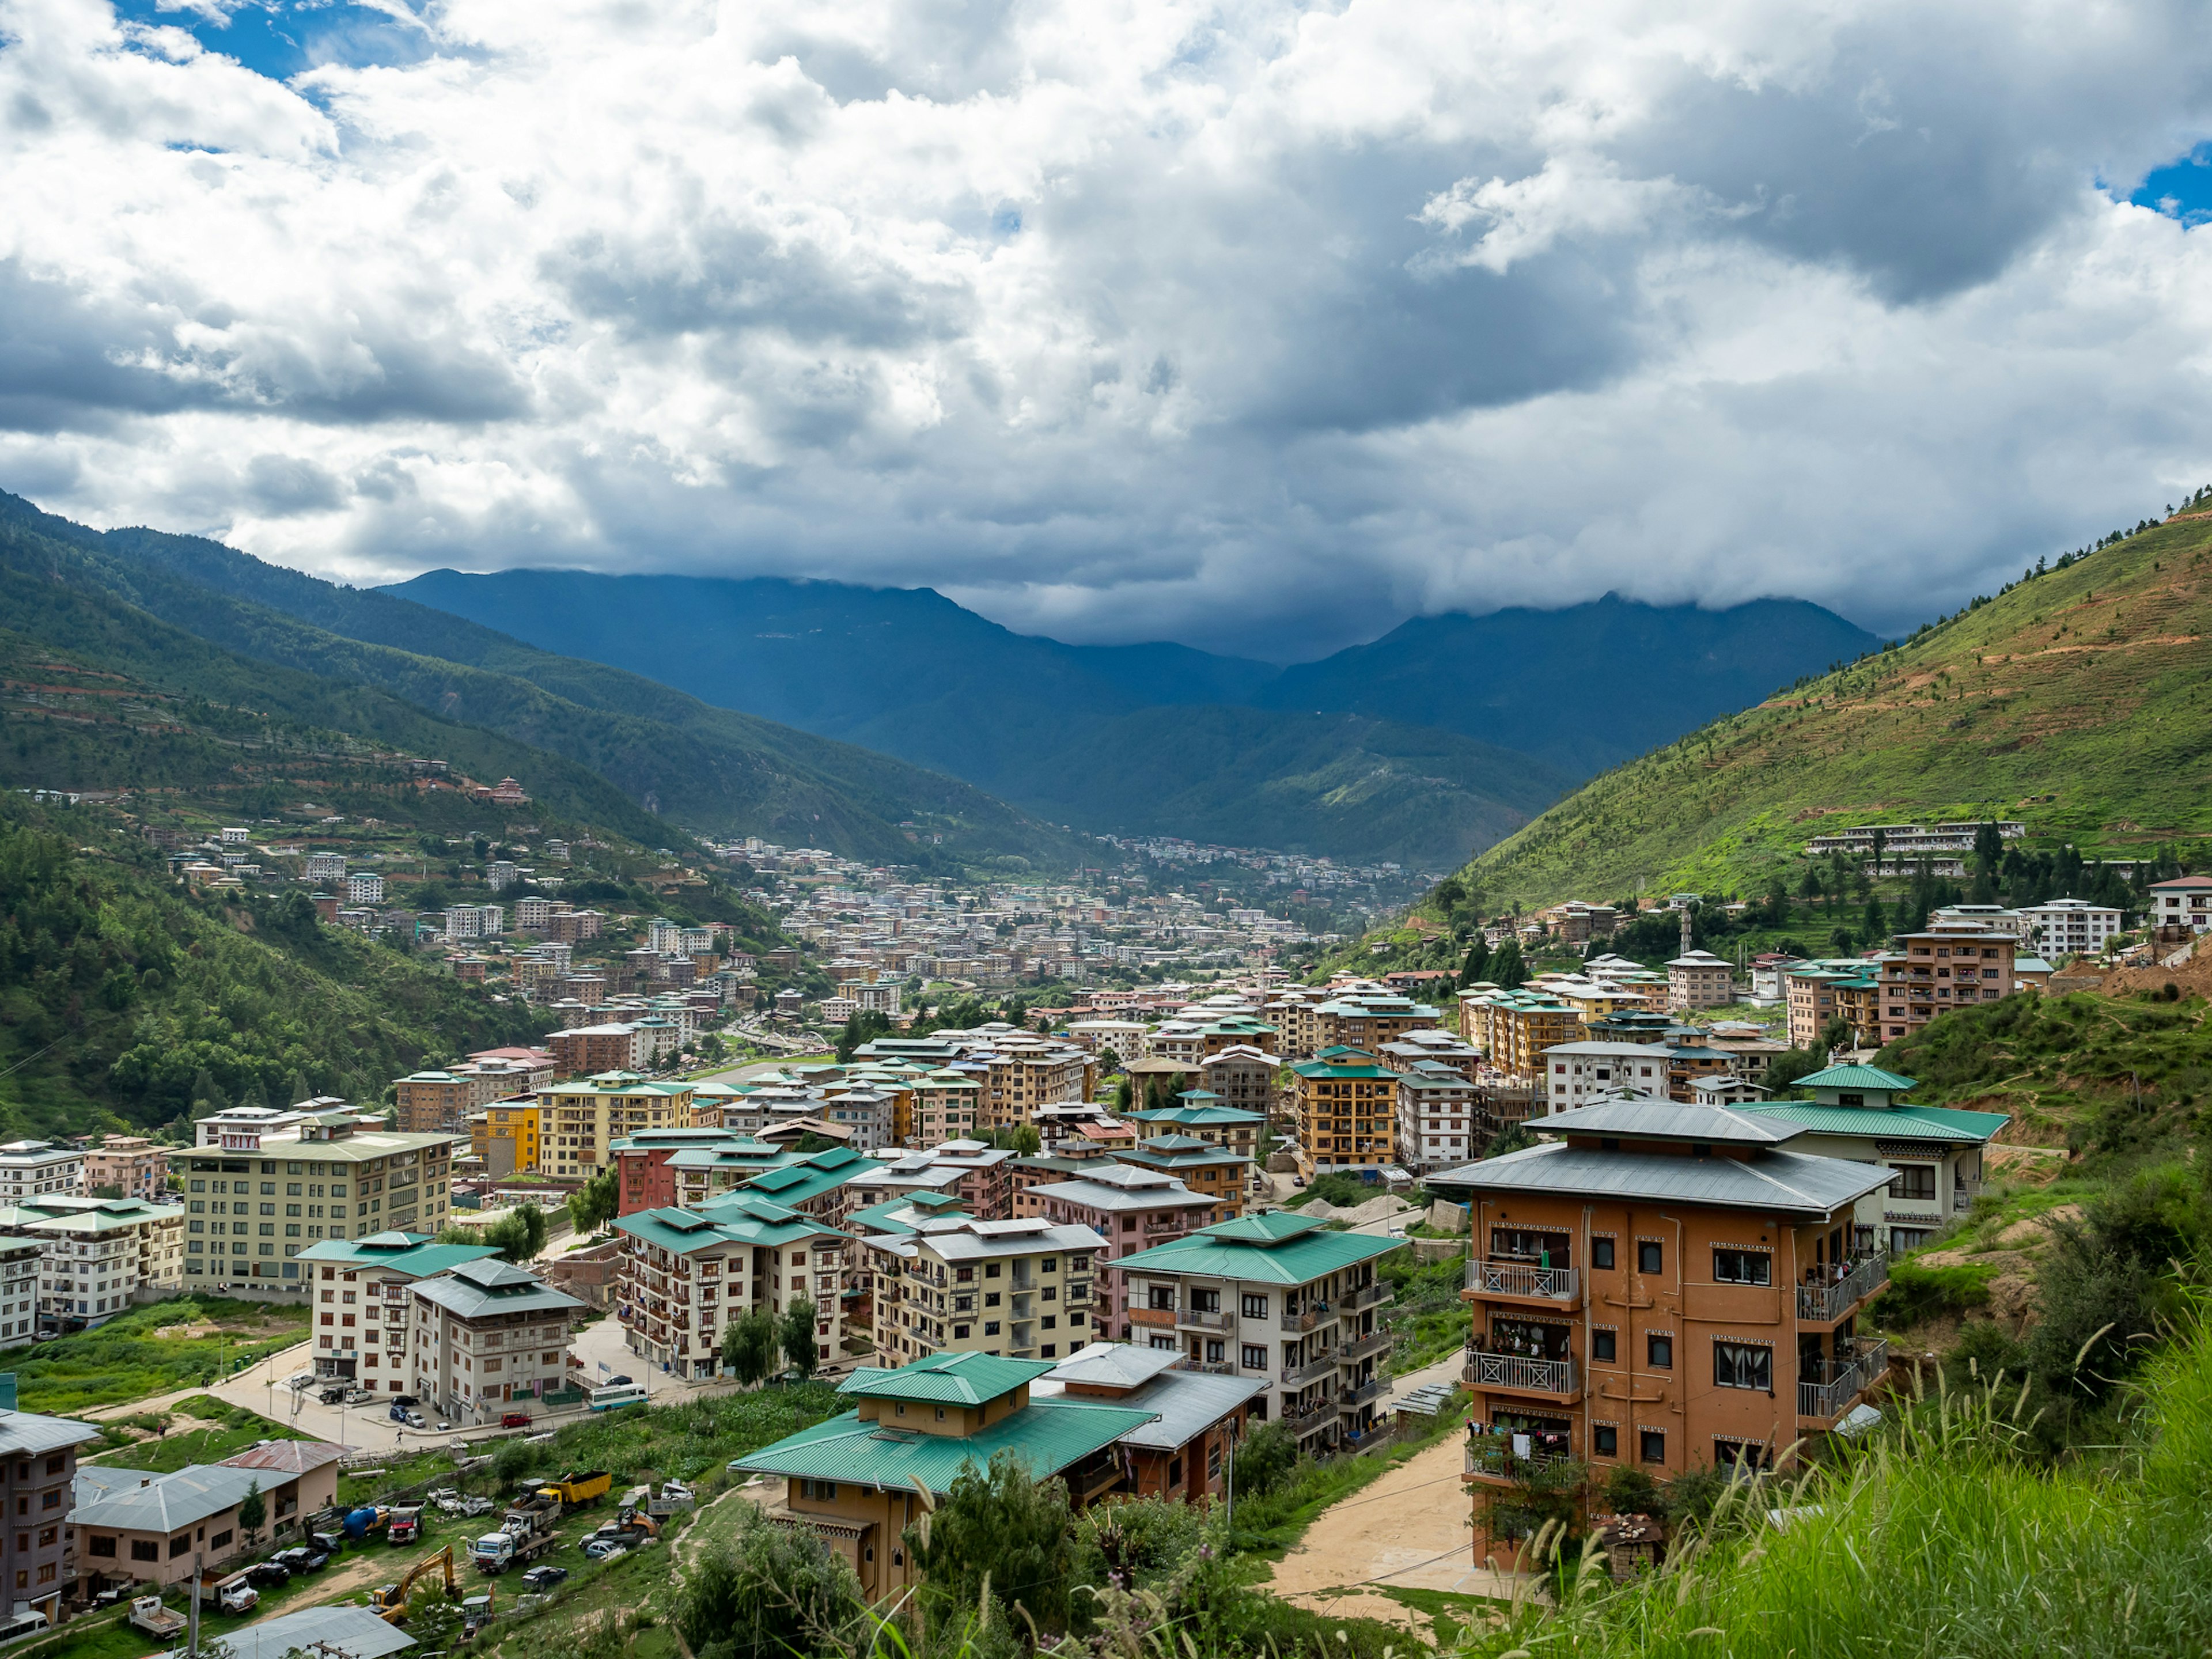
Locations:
(390, 1601)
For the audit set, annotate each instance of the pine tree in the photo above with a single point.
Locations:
(1478, 959)
(1507, 968)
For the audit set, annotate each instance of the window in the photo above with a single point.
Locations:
(1601, 1254)
(1651, 1445)
(179, 1544)
(1743, 1267)
(1904, 1239)
(219, 1541)
(1254, 1359)
(1913, 1181)
(1745, 1454)
(823, 1490)
(1743, 1365)
(1649, 1258)
(1659, 1352)
(103, 1547)
(1603, 1345)
(1605, 1441)
(145, 1549)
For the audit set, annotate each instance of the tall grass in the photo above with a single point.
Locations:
(123, 1360)
(1946, 1539)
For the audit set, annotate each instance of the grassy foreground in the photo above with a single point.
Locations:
(1948, 1541)
(149, 1351)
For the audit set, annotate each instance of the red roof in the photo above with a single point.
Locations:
(287, 1456)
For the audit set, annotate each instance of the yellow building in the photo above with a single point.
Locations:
(504, 1136)
(579, 1121)
(1514, 1029)
(1345, 1109)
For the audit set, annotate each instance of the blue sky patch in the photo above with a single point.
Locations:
(2181, 189)
(281, 37)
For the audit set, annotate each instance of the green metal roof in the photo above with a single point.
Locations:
(1188, 1115)
(946, 1379)
(412, 1253)
(1856, 1076)
(1044, 1436)
(894, 1215)
(1884, 1122)
(1228, 1251)
(1323, 1070)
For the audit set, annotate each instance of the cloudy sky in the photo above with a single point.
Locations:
(1255, 325)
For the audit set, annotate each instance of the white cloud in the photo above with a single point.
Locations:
(1258, 325)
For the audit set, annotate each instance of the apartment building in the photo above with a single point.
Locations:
(126, 1166)
(2184, 903)
(1191, 1041)
(1843, 988)
(1345, 1110)
(2071, 927)
(1018, 1073)
(99, 1255)
(239, 1127)
(581, 1119)
(1279, 1299)
(1206, 1117)
(485, 1337)
(862, 1479)
(1698, 979)
(1935, 1155)
(1132, 1209)
(251, 1210)
(684, 1276)
(1199, 1417)
(1664, 1285)
(441, 1100)
(950, 1284)
(1432, 1047)
(505, 1137)
(30, 1169)
(1241, 1077)
(1933, 972)
(363, 1302)
(587, 1050)
(1514, 1029)
(21, 1262)
(1367, 1019)
(38, 1487)
(1440, 1117)
(1210, 1170)
(981, 1176)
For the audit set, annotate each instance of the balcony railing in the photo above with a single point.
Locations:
(1164, 1317)
(1206, 1320)
(1519, 1373)
(1378, 1342)
(1831, 1392)
(1373, 1389)
(1522, 1279)
(1318, 1313)
(1825, 1303)
(1321, 1410)
(1211, 1367)
(1367, 1296)
(1493, 1455)
(1319, 1366)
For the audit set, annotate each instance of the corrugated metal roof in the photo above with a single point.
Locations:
(164, 1502)
(1639, 1117)
(1856, 1076)
(353, 1631)
(1043, 1437)
(1295, 1261)
(33, 1431)
(1774, 1179)
(290, 1456)
(1885, 1122)
(946, 1379)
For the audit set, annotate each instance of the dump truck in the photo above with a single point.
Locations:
(147, 1614)
(525, 1534)
(406, 1526)
(573, 1490)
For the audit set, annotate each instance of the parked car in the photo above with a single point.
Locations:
(544, 1578)
(514, 1419)
(294, 1560)
(360, 1397)
(599, 1549)
(267, 1575)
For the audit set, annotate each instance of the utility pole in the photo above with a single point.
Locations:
(193, 1637)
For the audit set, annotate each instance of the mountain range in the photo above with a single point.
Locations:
(1440, 738)
(2078, 702)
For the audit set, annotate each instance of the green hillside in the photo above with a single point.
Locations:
(2079, 701)
(710, 770)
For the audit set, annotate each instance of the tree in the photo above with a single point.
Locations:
(1478, 960)
(1874, 924)
(748, 1347)
(1027, 1142)
(252, 1512)
(865, 1026)
(1265, 1459)
(515, 1462)
(1507, 968)
(518, 1236)
(769, 1593)
(597, 1202)
(998, 1527)
(796, 1337)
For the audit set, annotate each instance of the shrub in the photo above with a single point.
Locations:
(1916, 1294)
(2098, 1310)
(1985, 1351)
(770, 1592)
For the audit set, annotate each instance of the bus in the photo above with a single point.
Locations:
(616, 1394)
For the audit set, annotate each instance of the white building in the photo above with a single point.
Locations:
(500, 874)
(1436, 1121)
(20, 1260)
(2071, 926)
(1576, 1074)
(2184, 901)
(364, 889)
(324, 866)
(475, 921)
(881, 998)
(32, 1169)
(235, 835)
(485, 1336)
(1698, 980)
(100, 1254)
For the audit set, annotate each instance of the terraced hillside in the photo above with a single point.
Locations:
(2079, 701)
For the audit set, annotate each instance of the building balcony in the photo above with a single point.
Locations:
(1824, 1305)
(1367, 1296)
(1513, 1373)
(1522, 1281)
(1161, 1318)
(1211, 1367)
(1490, 1457)
(1374, 1388)
(1833, 1389)
(1205, 1320)
(1304, 1419)
(1315, 1313)
(1361, 1347)
(1319, 1366)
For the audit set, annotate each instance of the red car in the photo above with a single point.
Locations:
(514, 1419)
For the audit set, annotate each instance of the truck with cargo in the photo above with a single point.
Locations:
(526, 1532)
(147, 1614)
(574, 1491)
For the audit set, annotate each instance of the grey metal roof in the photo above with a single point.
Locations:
(1117, 1187)
(1795, 1182)
(1638, 1117)
(32, 1432)
(1188, 1403)
(163, 1502)
(477, 1288)
(353, 1631)
(1114, 1365)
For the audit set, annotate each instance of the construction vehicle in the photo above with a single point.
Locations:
(390, 1601)
(148, 1613)
(406, 1526)
(676, 1498)
(575, 1491)
(368, 1518)
(526, 1532)
(475, 1611)
(236, 1594)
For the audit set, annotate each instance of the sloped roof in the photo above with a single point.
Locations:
(1044, 1437)
(1856, 1076)
(357, 1632)
(946, 1379)
(1637, 1117)
(1774, 1179)
(477, 1288)
(1232, 1250)
(130, 1500)
(1934, 1123)
(289, 1457)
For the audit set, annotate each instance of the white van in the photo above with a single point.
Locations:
(617, 1393)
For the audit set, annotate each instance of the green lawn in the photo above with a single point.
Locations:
(148, 1350)
(190, 1440)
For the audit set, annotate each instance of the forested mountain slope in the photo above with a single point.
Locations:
(2079, 701)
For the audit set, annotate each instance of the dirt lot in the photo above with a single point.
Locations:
(1410, 1528)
